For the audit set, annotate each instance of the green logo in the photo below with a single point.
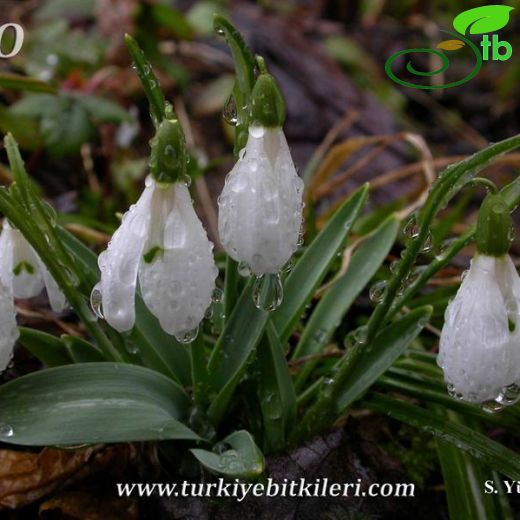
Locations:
(481, 21)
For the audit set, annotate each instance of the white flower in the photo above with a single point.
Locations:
(260, 208)
(480, 341)
(162, 243)
(22, 275)
(22, 271)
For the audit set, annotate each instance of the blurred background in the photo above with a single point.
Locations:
(82, 121)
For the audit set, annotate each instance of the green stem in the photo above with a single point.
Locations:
(230, 287)
(199, 371)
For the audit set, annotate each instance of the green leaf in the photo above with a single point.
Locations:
(23, 128)
(235, 345)
(337, 300)
(311, 269)
(50, 350)
(91, 403)
(485, 19)
(388, 345)
(491, 453)
(464, 481)
(16, 82)
(275, 391)
(82, 351)
(243, 460)
(103, 110)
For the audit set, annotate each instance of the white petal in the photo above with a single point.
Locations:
(56, 297)
(260, 207)
(6, 257)
(120, 262)
(177, 285)
(8, 330)
(478, 353)
(27, 277)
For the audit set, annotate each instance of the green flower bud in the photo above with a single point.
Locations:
(169, 157)
(268, 104)
(494, 227)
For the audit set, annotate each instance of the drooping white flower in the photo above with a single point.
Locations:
(161, 243)
(22, 275)
(23, 272)
(480, 341)
(260, 207)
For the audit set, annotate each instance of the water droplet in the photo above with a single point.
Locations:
(492, 406)
(411, 229)
(377, 292)
(428, 244)
(288, 267)
(187, 336)
(96, 301)
(131, 347)
(186, 180)
(244, 269)
(219, 30)
(361, 334)
(509, 395)
(394, 266)
(268, 292)
(230, 111)
(50, 213)
(6, 430)
(217, 295)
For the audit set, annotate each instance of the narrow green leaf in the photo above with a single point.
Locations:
(310, 270)
(337, 300)
(275, 390)
(91, 403)
(173, 20)
(16, 82)
(388, 345)
(464, 480)
(82, 351)
(491, 453)
(228, 360)
(242, 460)
(50, 350)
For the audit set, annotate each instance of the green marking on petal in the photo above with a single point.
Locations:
(27, 266)
(149, 257)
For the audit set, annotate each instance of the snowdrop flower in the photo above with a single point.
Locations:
(22, 275)
(480, 341)
(161, 243)
(260, 207)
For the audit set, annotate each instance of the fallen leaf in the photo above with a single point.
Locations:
(451, 45)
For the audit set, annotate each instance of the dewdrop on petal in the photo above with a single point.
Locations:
(479, 349)
(161, 243)
(260, 207)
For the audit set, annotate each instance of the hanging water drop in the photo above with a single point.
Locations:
(411, 229)
(187, 336)
(217, 295)
(377, 292)
(244, 269)
(492, 407)
(96, 301)
(6, 430)
(230, 111)
(268, 292)
(428, 244)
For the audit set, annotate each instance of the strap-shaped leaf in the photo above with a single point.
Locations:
(314, 264)
(337, 300)
(49, 349)
(492, 453)
(242, 460)
(275, 390)
(228, 360)
(91, 403)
